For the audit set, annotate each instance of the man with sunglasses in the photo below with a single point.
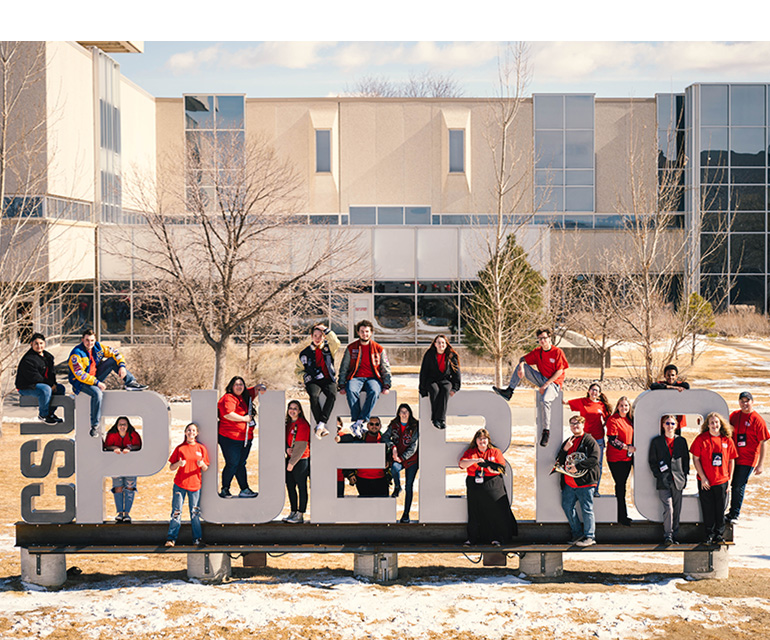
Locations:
(544, 367)
(372, 483)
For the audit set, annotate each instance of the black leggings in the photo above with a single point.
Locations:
(620, 472)
(296, 481)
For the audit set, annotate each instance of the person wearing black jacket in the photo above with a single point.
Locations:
(579, 488)
(669, 460)
(35, 376)
(439, 378)
(315, 365)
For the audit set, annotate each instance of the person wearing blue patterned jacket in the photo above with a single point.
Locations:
(89, 365)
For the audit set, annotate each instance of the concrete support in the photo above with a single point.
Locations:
(541, 565)
(208, 567)
(703, 565)
(379, 567)
(44, 570)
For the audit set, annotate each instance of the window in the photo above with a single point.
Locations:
(323, 150)
(456, 151)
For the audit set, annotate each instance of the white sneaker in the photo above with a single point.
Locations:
(321, 430)
(357, 428)
(585, 542)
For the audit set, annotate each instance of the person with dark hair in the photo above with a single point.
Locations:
(189, 460)
(544, 367)
(578, 460)
(713, 454)
(364, 367)
(122, 438)
(35, 376)
(373, 483)
(315, 366)
(297, 461)
(595, 408)
(90, 363)
(670, 380)
(402, 437)
(620, 452)
(439, 378)
(235, 432)
(669, 461)
(490, 519)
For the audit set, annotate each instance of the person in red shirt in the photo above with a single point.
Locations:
(235, 433)
(189, 460)
(373, 483)
(714, 453)
(544, 367)
(439, 378)
(620, 452)
(595, 408)
(750, 435)
(365, 367)
(669, 461)
(402, 437)
(123, 438)
(297, 461)
(490, 519)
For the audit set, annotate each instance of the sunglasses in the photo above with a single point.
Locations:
(671, 423)
(374, 424)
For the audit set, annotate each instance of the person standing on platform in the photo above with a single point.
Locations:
(595, 408)
(669, 461)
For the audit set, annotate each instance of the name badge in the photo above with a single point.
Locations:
(663, 466)
(716, 459)
(741, 439)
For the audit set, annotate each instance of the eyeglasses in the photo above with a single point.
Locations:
(574, 422)
(374, 424)
(541, 338)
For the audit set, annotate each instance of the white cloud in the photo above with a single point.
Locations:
(291, 55)
(189, 61)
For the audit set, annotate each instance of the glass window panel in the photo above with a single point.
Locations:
(714, 146)
(580, 178)
(578, 222)
(418, 215)
(549, 150)
(747, 253)
(116, 313)
(579, 149)
(199, 112)
(549, 112)
(747, 104)
(714, 176)
(579, 112)
(714, 198)
(713, 108)
(394, 318)
(229, 112)
(549, 199)
(456, 150)
(150, 317)
(390, 215)
(549, 177)
(394, 286)
(78, 313)
(323, 150)
(747, 198)
(556, 221)
(667, 148)
(747, 146)
(748, 221)
(363, 215)
(435, 315)
(747, 176)
(670, 111)
(715, 221)
(608, 222)
(713, 251)
(749, 291)
(116, 286)
(714, 289)
(230, 148)
(339, 315)
(579, 199)
(436, 286)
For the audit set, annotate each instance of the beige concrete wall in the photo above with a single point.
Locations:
(71, 251)
(170, 146)
(71, 127)
(138, 141)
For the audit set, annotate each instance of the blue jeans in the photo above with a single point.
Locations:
(738, 488)
(570, 496)
(124, 499)
(544, 400)
(235, 453)
(43, 392)
(353, 389)
(103, 369)
(410, 473)
(601, 465)
(193, 501)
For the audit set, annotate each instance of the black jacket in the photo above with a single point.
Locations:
(590, 448)
(670, 471)
(34, 369)
(429, 371)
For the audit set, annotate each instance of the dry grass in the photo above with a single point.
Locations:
(742, 324)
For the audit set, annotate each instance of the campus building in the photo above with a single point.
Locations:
(414, 176)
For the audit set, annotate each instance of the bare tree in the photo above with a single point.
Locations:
(427, 84)
(236, 256)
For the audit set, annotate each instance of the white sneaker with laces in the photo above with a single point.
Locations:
(321, 430)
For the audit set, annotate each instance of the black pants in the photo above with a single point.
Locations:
(620, 471)
(439, 397)
(712, 503)
(489, 514)
(314, 389)
(296, 482)
(235, 455)
(372, 487)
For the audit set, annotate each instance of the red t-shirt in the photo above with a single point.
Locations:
(749, 431)
(188, 476)
(594, 413)
(230, 403)
(365, 368)
(298, 431)
(715, 454)
(492, 453)
(441, 361)
(548, 362)
(130, 441)
(623, 430)
(670, 445)
(371, 474)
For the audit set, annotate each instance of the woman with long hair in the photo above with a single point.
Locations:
(595, 408)
(669, 461)
(490, 519)
(297, 461)
(620, 452)
(439, 378)
(401, 436)
(122, 438)
(236, 410)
